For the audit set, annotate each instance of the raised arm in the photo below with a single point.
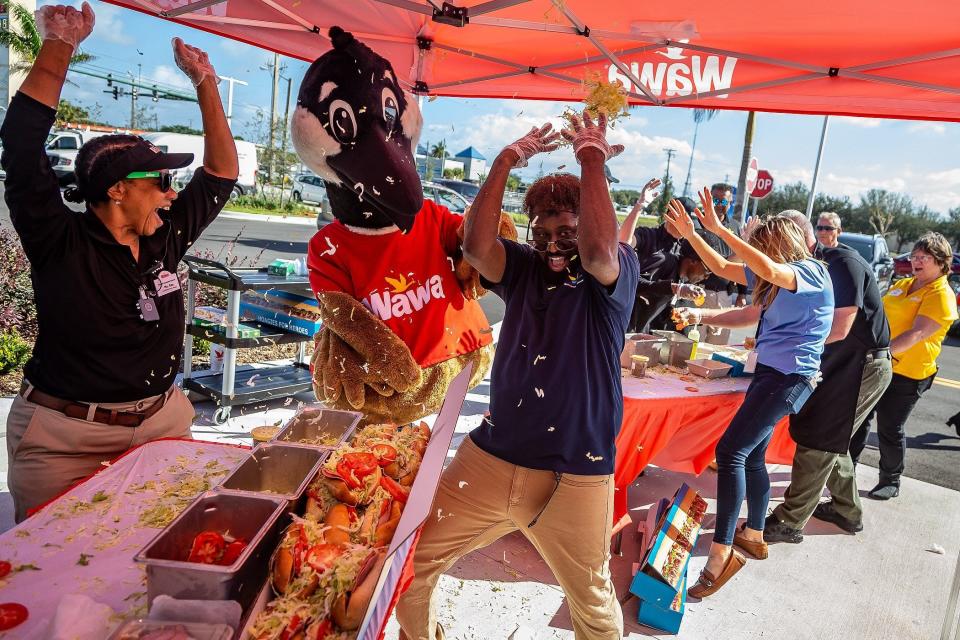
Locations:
(729, 318)
(629, 225)
(219, 149)
(597, 230)
(719, 265)
(763, 267)
(481, 244)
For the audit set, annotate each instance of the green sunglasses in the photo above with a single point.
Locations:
(166, 179)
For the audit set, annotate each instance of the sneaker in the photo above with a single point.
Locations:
(776, 531)
(884, 492)
(827, 512)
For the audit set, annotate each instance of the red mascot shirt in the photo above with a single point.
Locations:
(405, 280)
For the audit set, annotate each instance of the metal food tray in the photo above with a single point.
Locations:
(676, 349)
(708, 368)
(312, 423)
(641, 344)
(276, 469)
(255, 518)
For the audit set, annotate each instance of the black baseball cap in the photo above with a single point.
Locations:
(143, 155)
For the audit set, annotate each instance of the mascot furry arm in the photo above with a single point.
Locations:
(397, 300)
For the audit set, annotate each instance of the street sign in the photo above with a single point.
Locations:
(763, 186)
(752, 170)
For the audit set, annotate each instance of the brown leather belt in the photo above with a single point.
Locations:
(81, 410)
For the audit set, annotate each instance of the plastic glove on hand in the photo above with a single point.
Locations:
(60, 22)
(538, 140)
(193, 62)
(584, 134)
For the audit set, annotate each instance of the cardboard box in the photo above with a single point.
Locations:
(666, 618)
(281, 309)
(243, 331)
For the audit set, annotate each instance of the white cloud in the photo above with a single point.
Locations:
(937, 128)
(865, 123)
(168, 75)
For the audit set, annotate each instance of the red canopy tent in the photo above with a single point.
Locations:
(850, 57)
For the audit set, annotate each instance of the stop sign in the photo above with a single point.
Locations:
(752, 170)
(764, 185)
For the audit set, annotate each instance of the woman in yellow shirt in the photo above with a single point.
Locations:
(920, 311)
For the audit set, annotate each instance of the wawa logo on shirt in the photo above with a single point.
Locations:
(403, 296)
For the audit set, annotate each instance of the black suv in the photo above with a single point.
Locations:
(874, 250)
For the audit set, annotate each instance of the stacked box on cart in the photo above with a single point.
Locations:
(282, 309)
(660, 582)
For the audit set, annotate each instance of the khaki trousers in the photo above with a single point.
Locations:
(481, 498)
(814, 469)
(49, 452)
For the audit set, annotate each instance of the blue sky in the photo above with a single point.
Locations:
(917, 158)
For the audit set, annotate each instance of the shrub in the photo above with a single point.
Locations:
(17, 308)
(14, 351)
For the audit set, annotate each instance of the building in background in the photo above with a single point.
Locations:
(474, 164)
(10, 83)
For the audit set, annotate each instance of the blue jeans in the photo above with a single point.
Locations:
(741, 470)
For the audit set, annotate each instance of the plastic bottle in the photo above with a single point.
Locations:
(694, 335)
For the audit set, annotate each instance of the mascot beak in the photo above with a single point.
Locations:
(381, 170)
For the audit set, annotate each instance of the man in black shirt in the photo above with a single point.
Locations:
(856, 368)
(109, 306)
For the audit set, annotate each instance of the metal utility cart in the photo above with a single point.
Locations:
(230, 388)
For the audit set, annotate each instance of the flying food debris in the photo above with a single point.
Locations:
(332, 250)
(287, 402)
(593, 458)
(551, 428)
(462, 483)
(431, 98)
(561, 167)
(538, 359)
(551, 288)
(390, 179)
(935, 548)
(441, 516)
(250, 382)
(359, 187)
(151, 374)
(538, 391)
(452, 267)
(375, 191)
(520, 403)
(362, 110)
(343, 368)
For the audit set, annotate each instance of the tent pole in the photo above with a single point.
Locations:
(816, 168)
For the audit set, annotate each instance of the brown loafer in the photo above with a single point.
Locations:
(707, 585)
(756, 549)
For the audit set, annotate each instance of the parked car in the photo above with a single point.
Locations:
(903, 269)
(468, 190)
(310, 188)
(874, 250)
(185, 143)
(446, 197)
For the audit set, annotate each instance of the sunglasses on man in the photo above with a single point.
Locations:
(721, 202)
(166, 178)
(824, 227)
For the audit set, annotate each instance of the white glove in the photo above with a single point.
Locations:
(193, 62)
(539, 140)
(587, 134)
(649, 193)
(60, 22)
(690, 292)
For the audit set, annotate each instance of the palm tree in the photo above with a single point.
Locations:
(742, 182)
(439, 150)
(699, 115)
(25, 41)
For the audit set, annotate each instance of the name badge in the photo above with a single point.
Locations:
(147, 307)
(166, 283)
(896, 292)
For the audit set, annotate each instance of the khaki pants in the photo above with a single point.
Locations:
(814, 469)
(49, 452)
(481, 498)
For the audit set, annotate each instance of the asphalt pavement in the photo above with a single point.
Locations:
(933, 447)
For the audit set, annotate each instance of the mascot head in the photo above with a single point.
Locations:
(357, 130)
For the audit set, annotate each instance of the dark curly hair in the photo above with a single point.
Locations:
(92, 158)
(552, 194)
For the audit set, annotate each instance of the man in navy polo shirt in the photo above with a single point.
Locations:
(542, 460)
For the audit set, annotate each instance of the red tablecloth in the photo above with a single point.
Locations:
(679, 434)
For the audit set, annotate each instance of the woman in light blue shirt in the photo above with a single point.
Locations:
(793, 304)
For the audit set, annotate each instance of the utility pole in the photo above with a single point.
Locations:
(273, 116)
(670, 154)
(231, 82)
(283, 145)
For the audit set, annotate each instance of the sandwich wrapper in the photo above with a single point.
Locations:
(396, 572)
(79, 617)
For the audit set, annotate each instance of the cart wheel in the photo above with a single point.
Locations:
(221, 415)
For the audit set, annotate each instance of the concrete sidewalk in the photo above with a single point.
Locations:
(884, 583)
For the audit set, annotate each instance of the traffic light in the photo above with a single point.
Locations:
(116, 93)
(109, 79)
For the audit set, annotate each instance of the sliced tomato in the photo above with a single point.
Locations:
(5, 568)
(295, 625)
(320, 630)
(207, 547)
(396, 491)
(354, 467)
(323, 556)
(232, 552)
(386, 454)
(12, 614)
